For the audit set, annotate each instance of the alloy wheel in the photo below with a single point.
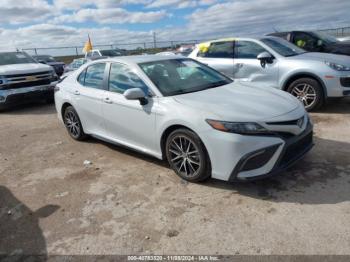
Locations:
(72, 124)
(185, 156)
(305, 93)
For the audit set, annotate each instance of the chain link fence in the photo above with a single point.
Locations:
(70, 52)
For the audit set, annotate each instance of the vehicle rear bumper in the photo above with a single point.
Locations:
(26, 94)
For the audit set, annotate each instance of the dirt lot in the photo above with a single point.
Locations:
(127, 203)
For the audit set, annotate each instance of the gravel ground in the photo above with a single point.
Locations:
(128, 203)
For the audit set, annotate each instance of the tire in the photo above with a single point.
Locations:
(308, 91)
(193, 167)
(72, 122)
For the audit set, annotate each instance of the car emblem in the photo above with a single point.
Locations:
(31, 78)
(300, 122)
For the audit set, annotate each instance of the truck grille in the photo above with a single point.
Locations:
(26, 80)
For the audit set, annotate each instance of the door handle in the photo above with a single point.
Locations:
(107, 100)
(76, 92)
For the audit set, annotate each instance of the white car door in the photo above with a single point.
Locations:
(89, 95)
(219, 56)
(249, 69)
(127, 121)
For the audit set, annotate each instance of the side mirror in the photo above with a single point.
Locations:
(136, 94)
(265, 57)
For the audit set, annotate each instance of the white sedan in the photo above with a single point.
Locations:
(178, 109)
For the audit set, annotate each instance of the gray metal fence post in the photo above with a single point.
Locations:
(76, 50)
(36, 53)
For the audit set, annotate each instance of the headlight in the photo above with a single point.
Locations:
(337, 67)
(237, 127)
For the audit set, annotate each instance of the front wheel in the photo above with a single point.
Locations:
(187, 155)
(73, 124)
(308, 91)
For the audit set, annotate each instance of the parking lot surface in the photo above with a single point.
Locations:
(122, 202)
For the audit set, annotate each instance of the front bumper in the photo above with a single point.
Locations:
(293, 149)
(22, 95)
(338, 85)
(267, 154)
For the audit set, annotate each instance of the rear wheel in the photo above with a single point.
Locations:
(308, 91)
(187, 155)
(73, 124)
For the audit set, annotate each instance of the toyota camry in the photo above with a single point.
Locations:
(180, 110)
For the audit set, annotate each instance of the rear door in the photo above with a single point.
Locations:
(248, 68)
(89, 96)
(219, 56)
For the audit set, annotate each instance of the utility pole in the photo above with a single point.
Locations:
(154, 40)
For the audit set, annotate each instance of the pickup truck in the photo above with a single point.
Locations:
(312, 41)
(23, 79)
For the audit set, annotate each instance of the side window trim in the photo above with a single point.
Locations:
(104, 80)
(236, 55)
(108, 75)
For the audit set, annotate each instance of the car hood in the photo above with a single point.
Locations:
(55, 63)
(241, 102)
(340, 47)
(23, 68)
(322, 57)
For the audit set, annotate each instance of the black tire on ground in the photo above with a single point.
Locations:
(309, 91)
(187, 155)
(73, 124)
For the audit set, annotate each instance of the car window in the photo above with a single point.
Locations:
(219, 50)
(247, 49)
(180, 76)
(304, 41)
(122, 78)
(94, 76)
(81, 77)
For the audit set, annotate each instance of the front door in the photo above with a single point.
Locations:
(127, 121)
(249, 69)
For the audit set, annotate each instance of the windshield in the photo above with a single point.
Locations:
(15, 58)
(45, 58)
(283, 47)
(110, 53)
(328, 39)
(180, 76)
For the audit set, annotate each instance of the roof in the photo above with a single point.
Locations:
(142, 58)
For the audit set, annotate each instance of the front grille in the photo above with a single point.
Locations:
(294, 150)
(28, 74)
(26, 84)
(345, 81)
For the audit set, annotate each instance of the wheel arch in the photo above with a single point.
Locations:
(296, 76)
(63, 108)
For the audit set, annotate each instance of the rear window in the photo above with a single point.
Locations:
(15, 58)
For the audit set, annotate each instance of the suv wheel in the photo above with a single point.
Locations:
(73, 124)
(187, 155)
(308, 91)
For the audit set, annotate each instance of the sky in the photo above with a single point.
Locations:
(55, 23)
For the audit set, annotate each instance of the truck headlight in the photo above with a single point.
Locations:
(237, 127)
(337, 67)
